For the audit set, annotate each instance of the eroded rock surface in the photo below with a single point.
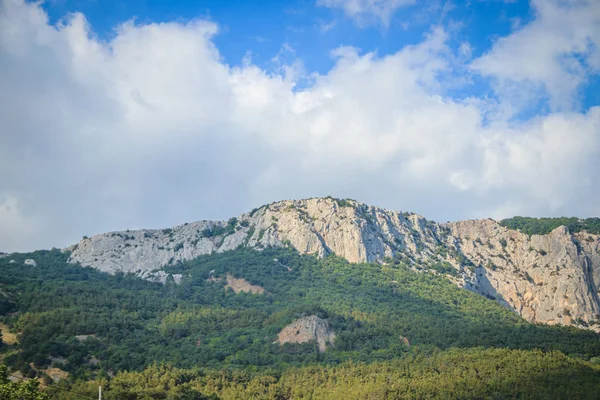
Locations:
(239, 285)
(305, 329)
(550, 278)
(545, 278)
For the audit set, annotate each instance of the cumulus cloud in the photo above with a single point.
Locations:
(549, 58)
(365, 12)
(152, 129)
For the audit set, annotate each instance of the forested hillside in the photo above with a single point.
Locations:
(452, 374)
(415, 325)
(543, 226)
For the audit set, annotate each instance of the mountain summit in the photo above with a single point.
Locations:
(551, 278)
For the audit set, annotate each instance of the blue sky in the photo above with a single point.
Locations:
(271, 31)
(264, 26)
(122, 115)
(310, 31)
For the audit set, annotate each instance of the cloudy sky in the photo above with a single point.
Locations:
(117, 115)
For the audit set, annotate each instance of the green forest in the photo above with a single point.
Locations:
(199, 339)
(543, 226)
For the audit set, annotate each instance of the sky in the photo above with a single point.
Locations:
(151, 113)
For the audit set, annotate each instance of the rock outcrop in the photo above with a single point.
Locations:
(550, 278)
(545, 278)
(239, 285)
(30, 262)
(306, 329)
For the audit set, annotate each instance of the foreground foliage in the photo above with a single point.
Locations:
(19, 390)
(455, 373)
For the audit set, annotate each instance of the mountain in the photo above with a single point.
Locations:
(551, 278)
(261, 321)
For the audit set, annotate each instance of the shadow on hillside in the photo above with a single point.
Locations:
(485, 288)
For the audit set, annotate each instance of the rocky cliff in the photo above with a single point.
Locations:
(305, 329)
(550, 278)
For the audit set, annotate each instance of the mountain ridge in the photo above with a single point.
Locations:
(550, 278)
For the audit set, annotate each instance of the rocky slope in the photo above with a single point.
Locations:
(239, 285)
(550, 278)
(305, 329)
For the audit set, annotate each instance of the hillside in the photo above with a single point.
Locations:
(93, 325)
(550, 278)
(321, 298)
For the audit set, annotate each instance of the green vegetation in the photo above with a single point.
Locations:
(217, 230)
(19, 390)
(342, 202)
(543, 226)
(443, 267)
(461, 344)
(455, 373)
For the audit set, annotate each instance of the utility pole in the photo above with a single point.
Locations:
(99, 392)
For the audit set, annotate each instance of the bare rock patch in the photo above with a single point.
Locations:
(305, 329)
(241, 285)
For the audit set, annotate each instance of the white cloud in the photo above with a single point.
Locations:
(153, 128)
(365, 12)
(552, 56)
(465, 50)
(325, 27)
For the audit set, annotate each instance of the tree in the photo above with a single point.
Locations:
(21, 390)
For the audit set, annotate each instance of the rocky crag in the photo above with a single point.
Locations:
(550, 278)
(307, 329)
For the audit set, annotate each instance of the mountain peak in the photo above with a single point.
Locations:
(548, 278)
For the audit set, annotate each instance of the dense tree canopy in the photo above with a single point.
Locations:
(455, 373)
(93, 325)
(543, 226)
(20, 389)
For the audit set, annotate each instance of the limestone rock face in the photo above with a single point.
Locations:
(550, 278)
(140, 252)
(545, 278)
(305, 329)
(30, 262)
